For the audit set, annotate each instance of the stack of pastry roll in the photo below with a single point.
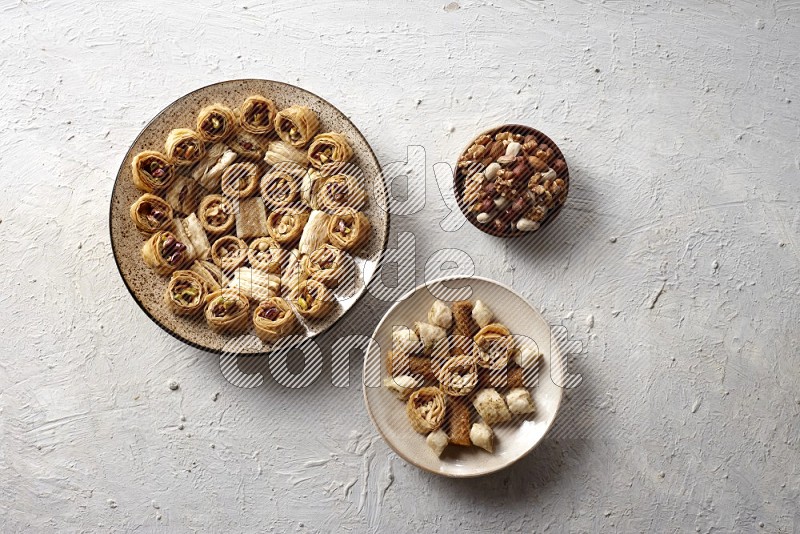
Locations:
(255, 284)
(460, 374)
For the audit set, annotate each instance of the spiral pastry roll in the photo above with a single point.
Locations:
(208, 171)
(185, 146)
(164, 253)
(216, 214)
(312, 299)
(340, 191)
(265, 254)
(240, 180)
(186, 293)
(273, 319)
(426, 409)
(247, 145)
(494, 346)
(279, 152)
(280, 188)
(151, 171)
(257, 115)
(227, 311)
(458, 376)
(151, 213)
(348, 229)
(229, 253)
(285, 225)
(296, 125)
(210, 273)
(328, 150)
(327, 264)
(215, 122)
(315, 232)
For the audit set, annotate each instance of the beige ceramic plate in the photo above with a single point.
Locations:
(148, 289)
(514, 440)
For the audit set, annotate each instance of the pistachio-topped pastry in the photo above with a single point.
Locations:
(296, 125)
(216, 214)
(215, 122)
(185, 146)
(256, 115)
(151, 171)
(329, 150)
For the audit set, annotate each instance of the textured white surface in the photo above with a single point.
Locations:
(680, 122)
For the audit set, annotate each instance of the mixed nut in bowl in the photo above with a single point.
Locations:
(511, 180)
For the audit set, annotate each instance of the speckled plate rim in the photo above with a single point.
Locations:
(356, 298)
(407, 458)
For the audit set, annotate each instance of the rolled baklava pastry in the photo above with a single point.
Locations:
(440, 315)
(329, 149)
(185, 146)
(273, 319)
(191, 230)
(229, 253)
(482, 436)
(279, 153)
(315, 232)
(326, 264)
(491, 407)
(285, 225)
(340, 191)
(458, 421)
(210, 273)
(458, 376)
(227, 312)
(429, 335)
(151, 171)
(426, 409)
(208, 172)
(265, 254)
(186, 293)
(312, 299)
(296, 125)
(257, 115)
(216, 214)
(215, 122)
(481, 314)
(252, 219)
(240, 180)
(402, 386)
(254, 284)
(520, 402)
(494, 346)
(291, 273)
(183, 195)
(151, 213)
(247, 145)
(164, 253)
(280, 188)
(308, 190)
(348, 229)
(464, 324)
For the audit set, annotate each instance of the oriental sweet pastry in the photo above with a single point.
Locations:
(151, 171)
(273, 319)
(296, 125)
(215, 122)
(151, 213)
(456, 392)
(329, 150)
(252, 209)
(186, 293)
(512, 182)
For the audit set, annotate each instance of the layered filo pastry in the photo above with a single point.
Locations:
(254, 284)
(240, 180)
(348, 229)
(312, 299)
(285, 225)
(211, 274)
(265, 254)
(189, 230)
(296, 125)
(186, 293)
(227, 311)
(184, 195)
(164, 253)
(151, 213)
(291, 273)
(151, 171)
(280, 187)
(458, 376)
(279, 152)
(494, 346)
(247, 145)
(329, 150)
(273, 319)
(340, 191)
(315, 232)
(426, 409)
(208, 172)
(216, 214)
(229, 253)
(215, 122)
(184, 146)
(327, 264)
(257, 115)
(252, 219)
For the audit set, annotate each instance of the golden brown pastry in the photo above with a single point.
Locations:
(429, 335)
(183, 195)
(280, 188)
(186, 293)
(151, 213)
(215, 122)
(251, 220)
(285, 225)
(494, 346)
(190, 231)
(208, 171)
(340, 191)
(458, 421)
(348, 229)
(247, 145)
(296, 125)
(426, 409)
(315, 232)
(291, 273)
(458, 376)
(216, 214)
(185, 146)
(257, 115)
(491, 407)
(254, 284)
(265, 254)
(164, 253)
(312, 299)
(280, 153)
(274, 319)
(229, 253)
(464, 324)
(240, 180)
(327, 264)
(308, 190)
(328, 150)
(227, 312)
(151, 171)
(402, 386)
(210, 273)
(520, 402)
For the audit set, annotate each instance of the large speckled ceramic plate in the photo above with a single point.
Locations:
(148, 288)
(514, 439)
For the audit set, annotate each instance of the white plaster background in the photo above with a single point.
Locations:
(680, 120)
